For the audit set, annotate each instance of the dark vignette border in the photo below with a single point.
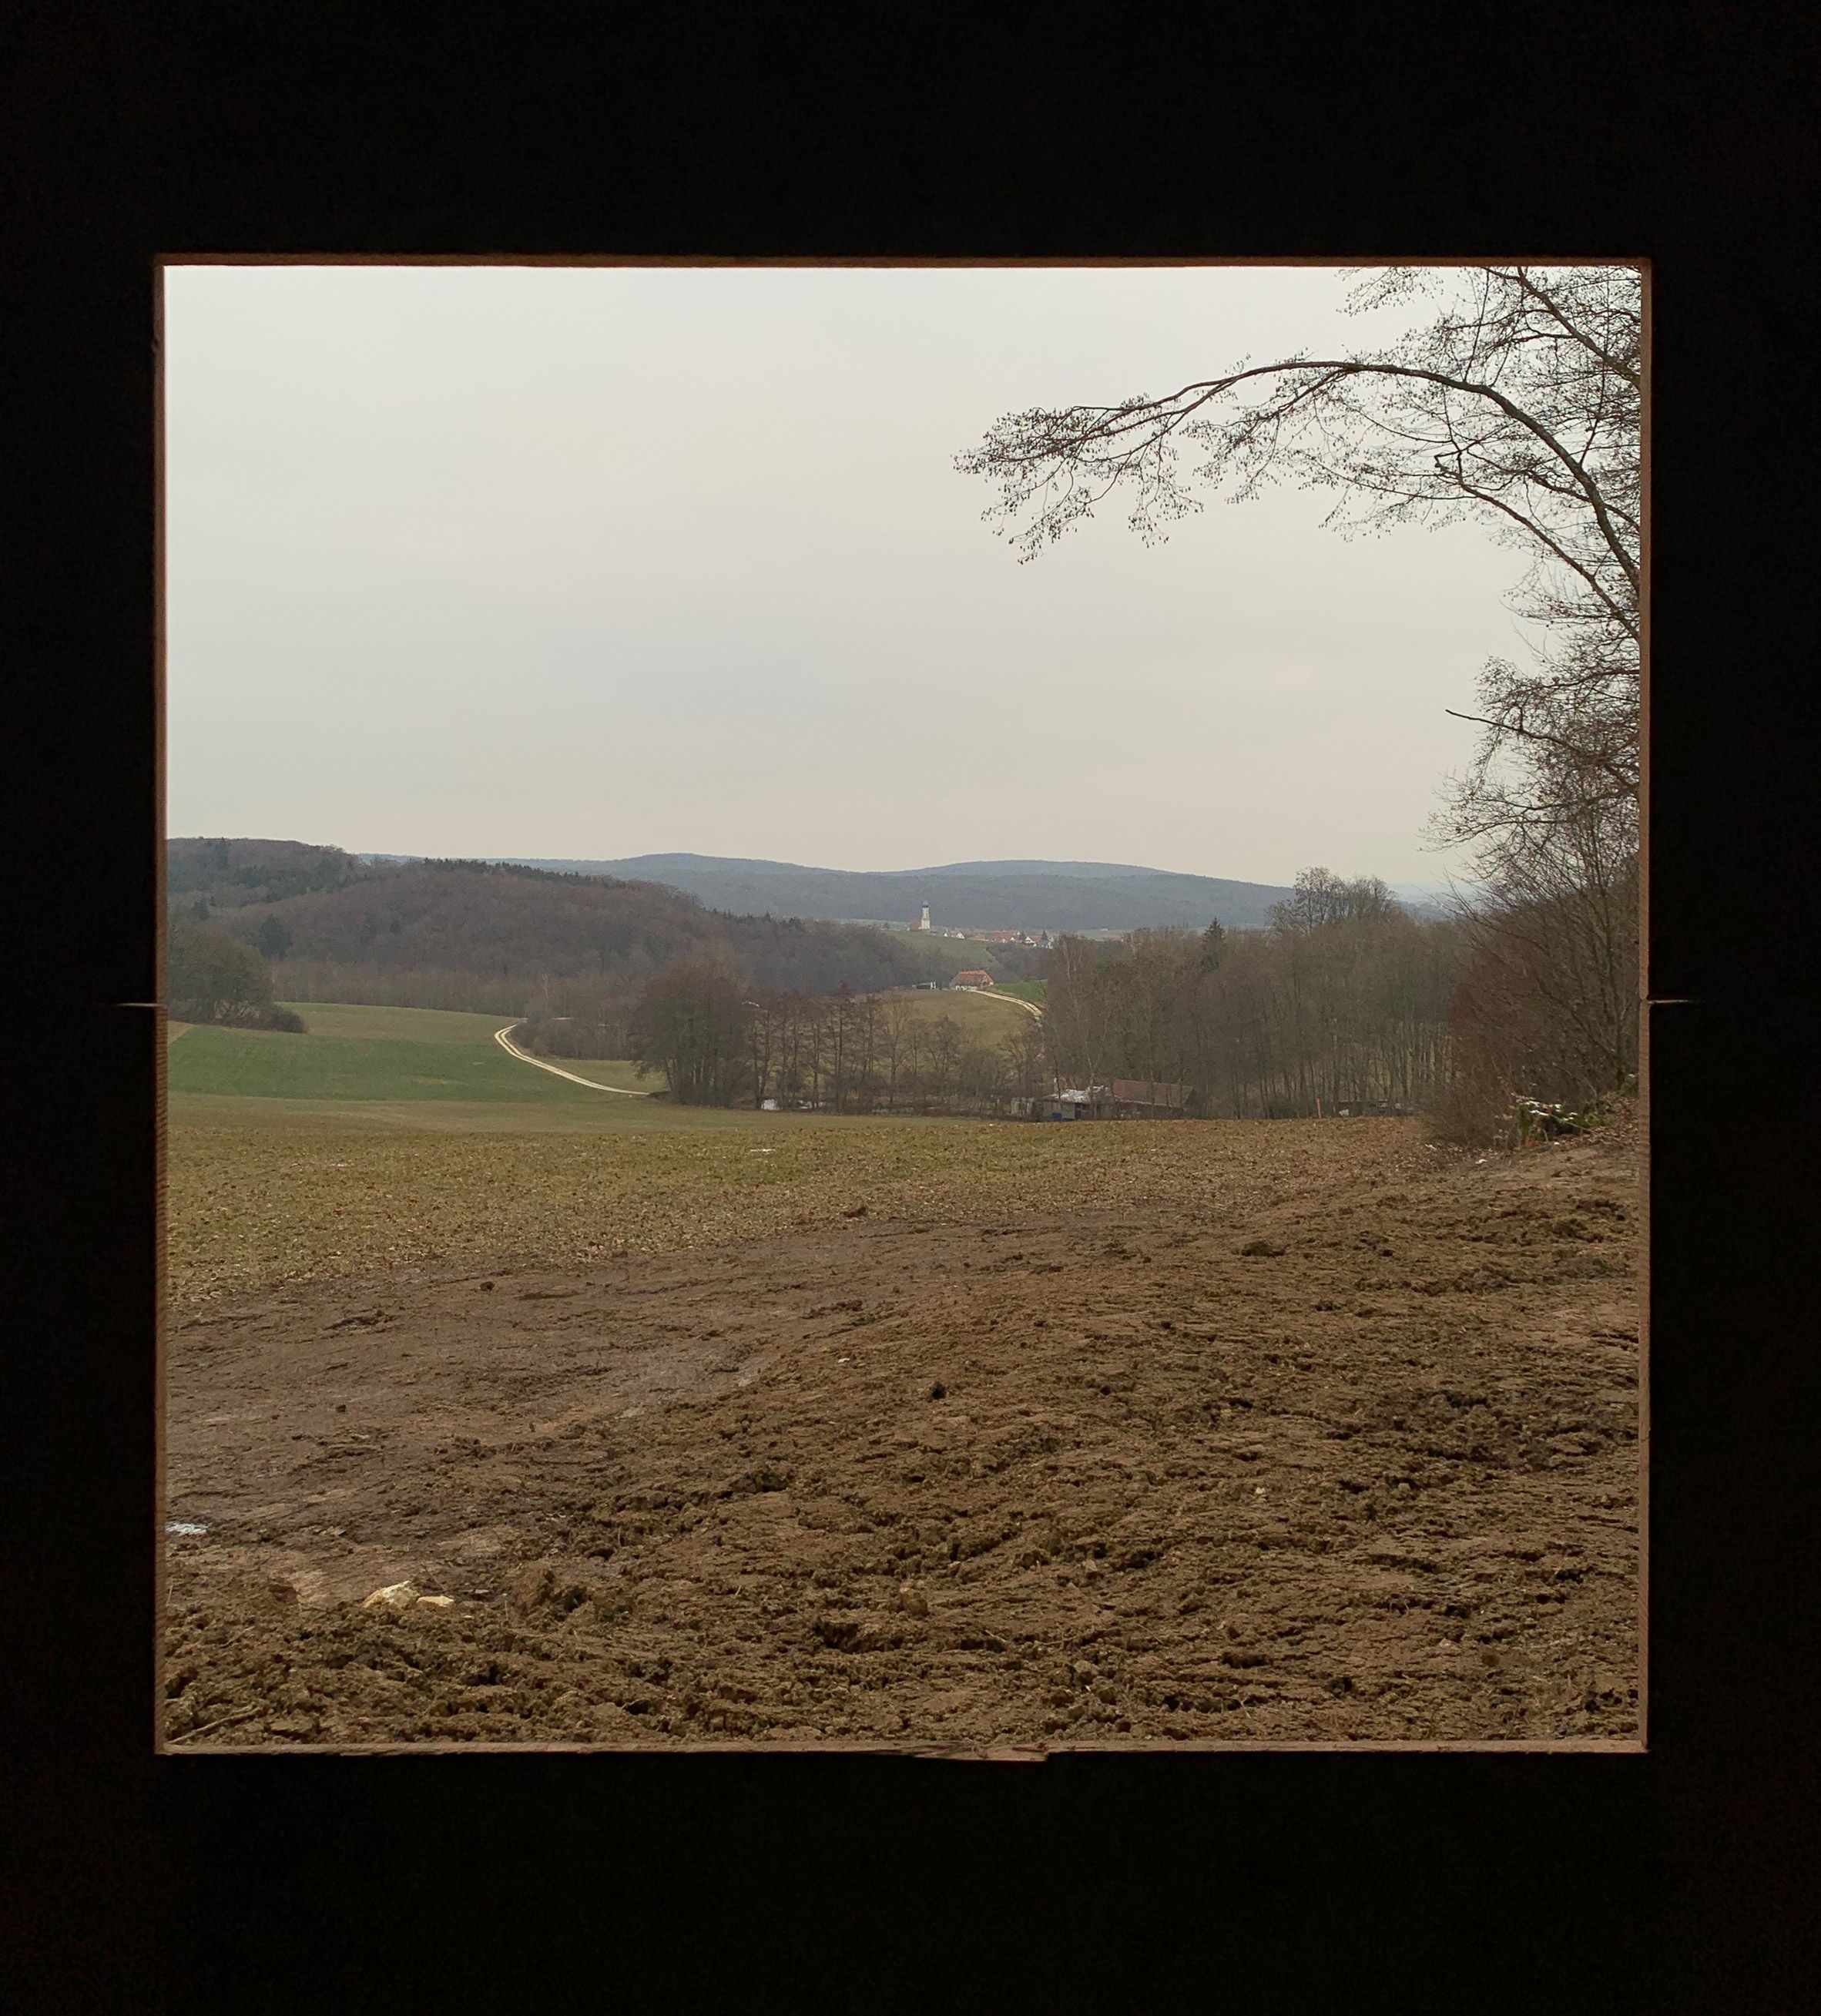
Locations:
(1680, 1879)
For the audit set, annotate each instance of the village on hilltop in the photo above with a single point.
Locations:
(1040, 941)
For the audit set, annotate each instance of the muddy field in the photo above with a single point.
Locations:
(1344, 1449)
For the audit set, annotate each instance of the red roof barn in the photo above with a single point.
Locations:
(1148, 1092)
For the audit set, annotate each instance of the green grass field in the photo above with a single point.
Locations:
(379, 1054)
(980, 1017)
(429, 1067)
(389, 1068)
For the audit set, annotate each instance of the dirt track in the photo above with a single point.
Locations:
(1029, 1482)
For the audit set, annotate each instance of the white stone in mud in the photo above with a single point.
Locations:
(395, 1596)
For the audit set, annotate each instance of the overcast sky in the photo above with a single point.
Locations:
(596, 563)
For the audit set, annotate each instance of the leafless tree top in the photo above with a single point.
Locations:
(1517, 401)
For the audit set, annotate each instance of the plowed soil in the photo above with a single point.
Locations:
(1346, 1450)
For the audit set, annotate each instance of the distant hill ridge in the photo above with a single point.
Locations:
(487, 936)
(982, 895)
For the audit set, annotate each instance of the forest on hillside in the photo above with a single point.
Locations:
(976, 895)
(503, 939)
(206, 876)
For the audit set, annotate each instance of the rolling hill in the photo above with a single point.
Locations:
(505, 936)
(487, 937)
(981, 895)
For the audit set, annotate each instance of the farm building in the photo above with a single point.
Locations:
(972, 981)
(1125, 1098)
(1080, 1103)
(1147, 1099)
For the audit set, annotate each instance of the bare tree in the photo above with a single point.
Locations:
(1343, 1002)
(1031, 1071)
(897, 1027)
(1517, 402)
(762, 1041)
(691, 1023)
(1547, 1010)
(1324, 898)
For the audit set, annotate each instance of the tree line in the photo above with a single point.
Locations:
(1343, 1002)
(1525, 995)
(499, 938)
(1347, 1003)
(718, 1043)
(1522, 996)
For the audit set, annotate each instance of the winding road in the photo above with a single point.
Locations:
(503, 1037)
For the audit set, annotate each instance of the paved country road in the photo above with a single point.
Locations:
(503, 1037)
